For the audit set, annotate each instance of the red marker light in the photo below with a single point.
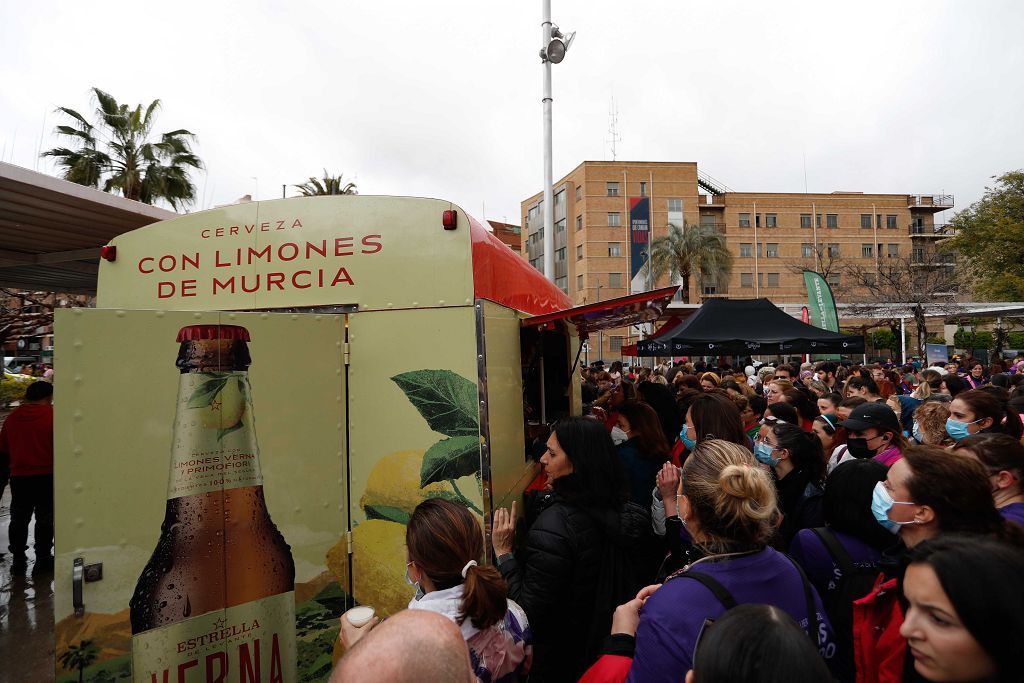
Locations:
(109, 252)
(449, 219)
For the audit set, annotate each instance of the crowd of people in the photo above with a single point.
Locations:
(809, 522)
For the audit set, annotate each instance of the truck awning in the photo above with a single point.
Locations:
(605, 315)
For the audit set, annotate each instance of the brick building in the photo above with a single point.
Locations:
(508, 234)
(772, 236)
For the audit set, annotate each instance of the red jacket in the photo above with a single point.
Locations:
(879, 649)
(27, 436)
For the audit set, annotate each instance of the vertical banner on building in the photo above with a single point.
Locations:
(820, 301)
(639, 240)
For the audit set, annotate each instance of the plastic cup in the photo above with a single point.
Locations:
(359, 616)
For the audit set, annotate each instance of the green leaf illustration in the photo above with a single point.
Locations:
(221, 433)
(206, 392)
(446, 400)
(386, 512)
(451, 458)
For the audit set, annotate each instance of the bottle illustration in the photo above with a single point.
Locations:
(216, 600)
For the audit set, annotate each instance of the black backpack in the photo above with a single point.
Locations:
(857, 581)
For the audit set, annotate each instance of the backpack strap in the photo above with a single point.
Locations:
(812, 607)
(720, 592)
(835, 549)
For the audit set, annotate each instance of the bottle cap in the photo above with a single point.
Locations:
(197, 332)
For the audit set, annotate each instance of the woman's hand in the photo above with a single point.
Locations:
(647, 591)
(349, 635)
(503, 530)
(627, 617)
(668, 487)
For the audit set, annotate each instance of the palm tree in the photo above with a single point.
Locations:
(118, 150)
(78, 657)
(330, 185)
(689, 251)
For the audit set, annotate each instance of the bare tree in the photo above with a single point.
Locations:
(825, 262)
(919, 286)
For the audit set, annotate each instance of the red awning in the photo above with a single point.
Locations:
(606, 315)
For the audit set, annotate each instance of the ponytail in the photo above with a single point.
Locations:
(484, 596)
(1012, 424)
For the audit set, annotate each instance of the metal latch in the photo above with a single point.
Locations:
(348, 540)
(347, 354)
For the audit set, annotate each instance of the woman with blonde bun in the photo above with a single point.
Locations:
(728, 505)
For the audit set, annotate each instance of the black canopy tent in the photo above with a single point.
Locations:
(748, 327)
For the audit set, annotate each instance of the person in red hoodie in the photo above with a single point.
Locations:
(27, 438)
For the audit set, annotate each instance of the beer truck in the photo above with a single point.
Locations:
(261, 397)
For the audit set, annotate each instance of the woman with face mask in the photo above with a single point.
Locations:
(929, 424)
(798, 470)
(965, 616)
(444, 546)
(1003, 457)
(979, 412)
(873, 431)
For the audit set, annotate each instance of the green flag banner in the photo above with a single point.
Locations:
(820, 302)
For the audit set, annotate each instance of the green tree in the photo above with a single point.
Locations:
(690, 251)
(78, 657)
(121, 151)
(328, 185)
(883, 339)
(990, 240)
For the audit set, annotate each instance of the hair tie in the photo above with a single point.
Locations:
(471, 563)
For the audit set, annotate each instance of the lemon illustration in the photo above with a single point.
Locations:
(226, 409)
(378, 566)
(395, 482)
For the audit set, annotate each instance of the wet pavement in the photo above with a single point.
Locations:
(26, 613)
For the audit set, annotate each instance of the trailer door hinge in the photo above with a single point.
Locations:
(347, 353)
(348, 541)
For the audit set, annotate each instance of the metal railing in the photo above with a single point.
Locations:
(940, 230)
(943, 200)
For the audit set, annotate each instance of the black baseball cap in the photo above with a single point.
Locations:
(868, 415)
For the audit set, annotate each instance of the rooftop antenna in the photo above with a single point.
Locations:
(39, 151)
(805, 172)
(613, 125)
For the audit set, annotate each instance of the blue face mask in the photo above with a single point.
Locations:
(916, 433)
(419, 589)
(763, 452)
(684, 436)
(881, 503)
(958, 430)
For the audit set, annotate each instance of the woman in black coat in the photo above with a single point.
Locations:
(572, 569)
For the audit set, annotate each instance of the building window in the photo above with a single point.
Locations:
(878, 221)
(890, 222)
(760, 279)
(746, 279)
(579, 223)
(615, 344)
(613, 189)
(918, 255)
(562, 283)
(744, 220)
(675, 205)
(894, 251)
(865, 220)
(817, 220)
(579, 252)
(745, 249)
(614, 249)
(757, 220)
(579, 192)
(771, 220)
(833, 250)
(536, 263)
(773, 279)
(710, 289)
(675, 212)
(613, 219)
(559, 197)
(559, 226)
(832, 220)
(615, 280)
(560, 254)
(805, 220)
(866, 251)
(579, 282)
(833, 279)
(772, 250)
(643, 189)
(807, 250)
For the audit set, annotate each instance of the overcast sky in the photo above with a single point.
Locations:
(442, 99)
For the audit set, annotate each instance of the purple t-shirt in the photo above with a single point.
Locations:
(821, 569)
(1014, 512)
(672, 618)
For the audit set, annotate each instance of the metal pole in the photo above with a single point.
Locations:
(600, 334)
(903, 341)
(549, 204)
(757, 248)
(878, 247)
(814, 226)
